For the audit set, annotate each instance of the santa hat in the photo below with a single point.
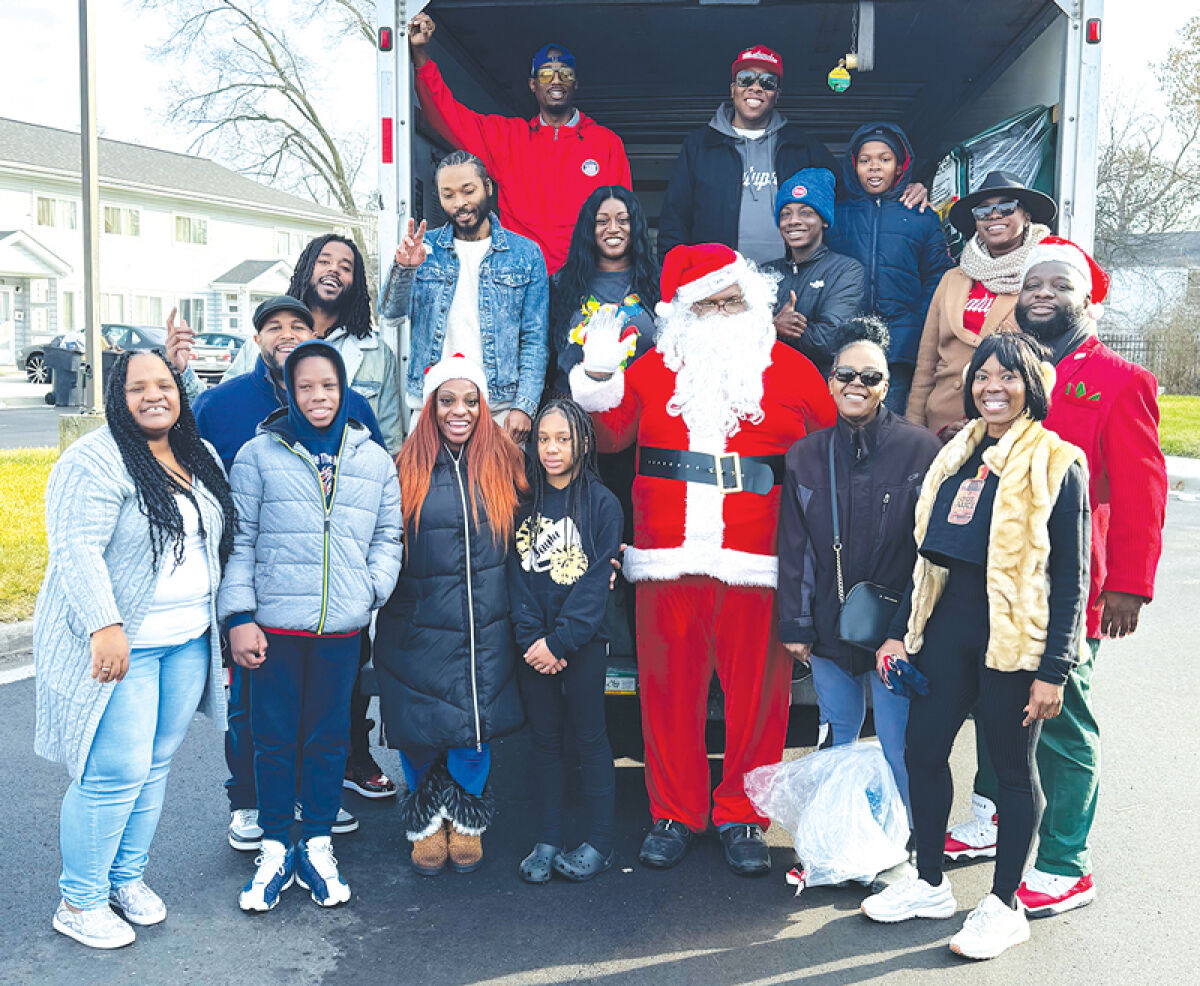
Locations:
(692, 273)
(456, 367)
(1056, 250)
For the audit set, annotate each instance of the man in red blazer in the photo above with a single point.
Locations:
(1109, 408)
(713, 408)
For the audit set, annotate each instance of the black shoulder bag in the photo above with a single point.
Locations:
(867, 609)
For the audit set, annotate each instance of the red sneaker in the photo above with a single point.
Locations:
(1044, 894)
(976, 838)
(367, 779)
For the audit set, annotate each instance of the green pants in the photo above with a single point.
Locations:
(1068, 760)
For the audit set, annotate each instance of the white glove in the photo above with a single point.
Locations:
(603, 350)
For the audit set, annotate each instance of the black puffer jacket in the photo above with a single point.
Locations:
(878, 481)
(444, 651)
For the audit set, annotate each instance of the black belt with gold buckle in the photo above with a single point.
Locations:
(729, 473)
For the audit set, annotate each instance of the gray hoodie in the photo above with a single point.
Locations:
(758, 233)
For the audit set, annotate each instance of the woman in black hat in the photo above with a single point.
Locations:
(1004, 220)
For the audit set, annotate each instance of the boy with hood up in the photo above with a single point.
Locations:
(903, 250)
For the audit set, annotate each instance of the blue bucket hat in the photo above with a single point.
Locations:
(808, 186)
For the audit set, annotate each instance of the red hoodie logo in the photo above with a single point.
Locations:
(590, 167)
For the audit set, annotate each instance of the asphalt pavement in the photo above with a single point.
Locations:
(695, 924)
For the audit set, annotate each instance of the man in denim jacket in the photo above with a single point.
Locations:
(476, 289)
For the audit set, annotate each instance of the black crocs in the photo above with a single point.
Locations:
(583, 863)
(535, 868)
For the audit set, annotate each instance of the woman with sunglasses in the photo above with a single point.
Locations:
(1004, 220)
(878, 460)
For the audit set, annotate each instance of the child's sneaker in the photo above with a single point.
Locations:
(343, 824)
(910, 898)
(96, 927)
(975, 838)
(317, 872)
(990, 929)
(275, 873)
(1044, 894)
(138, 903)
(244, 832)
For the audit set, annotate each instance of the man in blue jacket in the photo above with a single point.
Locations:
(228, 416)
(904, 251)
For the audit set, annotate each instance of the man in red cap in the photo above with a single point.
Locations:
(1108, 407)
(713, 409)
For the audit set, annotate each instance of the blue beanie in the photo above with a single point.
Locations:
(808, 186)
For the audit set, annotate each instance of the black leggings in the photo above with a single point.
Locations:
(952, 658)
(576, 694)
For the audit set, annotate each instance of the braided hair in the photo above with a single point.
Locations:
(156, 487)
(354, 308)
(583, 455)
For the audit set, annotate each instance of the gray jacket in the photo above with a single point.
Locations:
(99, 573)
(296, 565)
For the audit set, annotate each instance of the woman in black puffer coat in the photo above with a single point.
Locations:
(445, 656)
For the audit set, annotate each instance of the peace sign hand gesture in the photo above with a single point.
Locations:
(412, 250)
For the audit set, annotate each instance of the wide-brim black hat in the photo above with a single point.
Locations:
(1040, 206)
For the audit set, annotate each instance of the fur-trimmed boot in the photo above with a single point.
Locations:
(467, 818)
(422, 813)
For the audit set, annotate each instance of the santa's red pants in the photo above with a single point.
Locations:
(686, 628)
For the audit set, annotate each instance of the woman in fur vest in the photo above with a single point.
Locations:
(994, 621)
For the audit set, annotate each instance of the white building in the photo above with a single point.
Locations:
(176, 230)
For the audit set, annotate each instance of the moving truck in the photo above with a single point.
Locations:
(945, 70)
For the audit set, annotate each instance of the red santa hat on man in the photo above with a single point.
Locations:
(456, 367)
(1055, 249)
(693, 273)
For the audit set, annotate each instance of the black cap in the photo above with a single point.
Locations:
(281, 303)
(885, 135)
(1041, 208)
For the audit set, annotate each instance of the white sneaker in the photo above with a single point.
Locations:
(317, 872)
(976, 838)
(244, 831)
(138, 903)
(97, 927)
(990, 929)
(910, 898)
(1044, 893)
(275, 872)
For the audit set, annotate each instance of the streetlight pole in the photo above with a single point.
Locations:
(91, 207)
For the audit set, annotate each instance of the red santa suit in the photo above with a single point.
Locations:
(704, 557)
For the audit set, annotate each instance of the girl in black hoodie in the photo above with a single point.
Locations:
(567, 538)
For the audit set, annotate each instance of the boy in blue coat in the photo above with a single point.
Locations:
(903, 250)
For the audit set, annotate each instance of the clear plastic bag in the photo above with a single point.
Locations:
(842, 808)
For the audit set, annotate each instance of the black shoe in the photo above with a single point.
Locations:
(665, 844)
(746, 850)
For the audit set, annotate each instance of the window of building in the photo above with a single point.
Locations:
(112, 308)
(122, 222)
(191, 229)
(231, 303)
(68, 311)
(147, 310)
(39, 291)
(191, 310)
(62, 213)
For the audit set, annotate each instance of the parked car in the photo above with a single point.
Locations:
(212, 352)
(32, 358)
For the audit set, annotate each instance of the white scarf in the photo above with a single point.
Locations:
(1000, 275)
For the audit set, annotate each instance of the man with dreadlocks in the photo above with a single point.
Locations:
(713, 408)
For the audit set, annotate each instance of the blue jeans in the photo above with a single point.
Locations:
(843, 701)
(110, 812)
(468, 767)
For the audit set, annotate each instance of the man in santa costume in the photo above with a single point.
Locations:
(713, 409)
(1108, 407)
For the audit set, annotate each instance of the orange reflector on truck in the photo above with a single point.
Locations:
(385, 143)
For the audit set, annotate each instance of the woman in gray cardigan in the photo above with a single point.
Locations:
(139, 521)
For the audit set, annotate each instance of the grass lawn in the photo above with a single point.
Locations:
(1179, 432)
(23, 475)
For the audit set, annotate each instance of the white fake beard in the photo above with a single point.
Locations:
(719, 363)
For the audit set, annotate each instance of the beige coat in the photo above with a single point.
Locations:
(936, 398)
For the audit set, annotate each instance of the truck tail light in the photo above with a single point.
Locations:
(385, 143)
(385, 39)
(1093, 31)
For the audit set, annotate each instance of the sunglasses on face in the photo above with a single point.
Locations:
(767, 81)
(846, 374)
(546, 75)
(1006, 208)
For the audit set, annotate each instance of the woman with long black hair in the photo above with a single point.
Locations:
(139, 523)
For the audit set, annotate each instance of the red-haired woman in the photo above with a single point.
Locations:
(444, 650)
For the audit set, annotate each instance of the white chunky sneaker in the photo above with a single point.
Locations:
(1044, 894)
(97, 927)
(138, 903)
(991, 929)
(244, 831)
(975, 838)
(317, 872)
(910, 898)
(275, 872)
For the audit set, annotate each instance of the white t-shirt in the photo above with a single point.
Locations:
(462, 321)
(750, 134)
(180, 607)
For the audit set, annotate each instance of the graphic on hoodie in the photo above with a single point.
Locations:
(546, 545)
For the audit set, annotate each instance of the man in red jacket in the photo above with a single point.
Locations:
(545, 167)
(713, 408)
(1109, 408)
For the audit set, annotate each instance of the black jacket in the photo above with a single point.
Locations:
(877, 498)
(830, 288)
(704, 195)
(444, 652)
